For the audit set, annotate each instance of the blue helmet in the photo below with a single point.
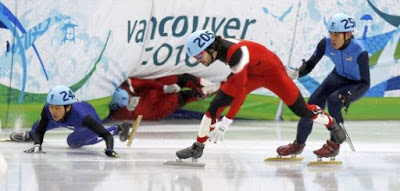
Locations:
(199, 41)
(119, 99)
(341, 23)
(61, 95)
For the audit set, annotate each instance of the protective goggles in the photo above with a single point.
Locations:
(199, 56)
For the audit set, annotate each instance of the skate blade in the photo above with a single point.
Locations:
(324, 163)
(184, 163)
(278, 159)
(5, 140)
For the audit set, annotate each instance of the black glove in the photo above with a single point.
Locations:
(111, 153)
(345, 102)
(302, 70)
(37, 148)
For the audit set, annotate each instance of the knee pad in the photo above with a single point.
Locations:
(72, 143)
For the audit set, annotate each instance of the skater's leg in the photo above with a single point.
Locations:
(81, 137)
(335, 105)
(304, 128)
(84, 136)
(190, 81)
(305, 124)
(27, 136)
(309, 113)
(197, 84)
(285, 88)
(218, 104)
(187, 96)
(319, 97)
(168, 80)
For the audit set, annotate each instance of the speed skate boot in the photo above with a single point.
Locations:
(195, 151)
(330, 149)
(123, 131)
(21, 137)
(338, 132)
(292, 149)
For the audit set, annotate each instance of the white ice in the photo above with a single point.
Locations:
(234, 164)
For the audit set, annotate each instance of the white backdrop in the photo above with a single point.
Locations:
(106, 41)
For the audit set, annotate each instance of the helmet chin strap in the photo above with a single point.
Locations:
(212, 56)
(346, 42)
(65, 112)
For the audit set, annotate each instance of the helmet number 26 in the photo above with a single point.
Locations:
(203, 38)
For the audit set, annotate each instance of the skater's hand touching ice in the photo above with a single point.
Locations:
(111, 153)
(37, 148)
(220, 128)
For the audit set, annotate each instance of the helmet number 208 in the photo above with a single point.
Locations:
(203, 38)
(66, 96)
(349, 23)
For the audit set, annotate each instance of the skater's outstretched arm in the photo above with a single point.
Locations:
(99, 129)
(41, 129)
(309, 65)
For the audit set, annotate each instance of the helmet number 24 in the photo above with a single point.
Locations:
(66, 96)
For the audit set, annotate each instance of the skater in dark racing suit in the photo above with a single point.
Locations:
(347, 82)
(253, 66)
(64, 110)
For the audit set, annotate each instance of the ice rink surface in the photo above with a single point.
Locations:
(234, 164)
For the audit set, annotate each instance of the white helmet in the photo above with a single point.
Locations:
(199, 41)
(119, 99)
(61, 95)
(341, 23)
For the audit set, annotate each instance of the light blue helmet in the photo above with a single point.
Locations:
(199, 41)
(61, 95)
(341, 23)
(119, 99)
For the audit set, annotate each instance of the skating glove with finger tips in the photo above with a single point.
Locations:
(111, 153)
(173, 88)
(345, 101)
(220, 128)
(133, 102)
(37, 148)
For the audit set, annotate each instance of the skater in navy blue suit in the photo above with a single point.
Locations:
(64, 110)
(347, 82)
